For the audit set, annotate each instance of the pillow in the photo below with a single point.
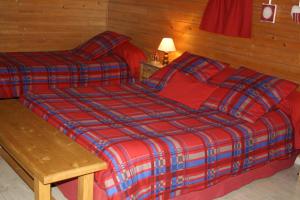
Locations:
(248, 94)
(159, 79)
(186, 89)
(201, 68)
(132, 55)
(223, 75)
(291, 106)
(100, 45)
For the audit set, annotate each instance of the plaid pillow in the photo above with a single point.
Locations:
(100, 45)
(201, 68)
(248, 94)
(160, 78)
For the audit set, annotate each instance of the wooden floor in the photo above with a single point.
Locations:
(282, 186)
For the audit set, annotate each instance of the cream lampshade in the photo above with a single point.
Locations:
(166, 45)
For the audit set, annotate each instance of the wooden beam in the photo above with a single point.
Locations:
(85, 187)
(41, 191)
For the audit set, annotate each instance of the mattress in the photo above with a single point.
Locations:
(24, 71)
(156, 147)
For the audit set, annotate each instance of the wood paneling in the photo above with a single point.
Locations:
(274, 48)
(34, 25)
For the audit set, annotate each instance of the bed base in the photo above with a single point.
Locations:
(69, 189)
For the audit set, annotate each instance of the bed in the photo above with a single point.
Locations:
(157, 147)
(160, 146)
(21, 72)
(101, 60)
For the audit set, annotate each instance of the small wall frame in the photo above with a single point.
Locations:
(268, 12)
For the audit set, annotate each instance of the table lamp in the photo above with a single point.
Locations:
(167, 46)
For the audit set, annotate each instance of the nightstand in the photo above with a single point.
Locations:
(148, 68)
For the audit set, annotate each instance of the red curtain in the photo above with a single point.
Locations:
(228, 17)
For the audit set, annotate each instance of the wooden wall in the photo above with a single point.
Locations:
(33, 25)
(274, 48)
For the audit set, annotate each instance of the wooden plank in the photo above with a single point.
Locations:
(85, 187)
(44, 152)
(41, 191)
(20, 18)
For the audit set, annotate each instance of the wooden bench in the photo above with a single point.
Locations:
(42, 155)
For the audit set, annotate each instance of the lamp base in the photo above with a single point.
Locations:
(166, 59)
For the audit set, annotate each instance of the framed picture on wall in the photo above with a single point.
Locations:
(268, 13)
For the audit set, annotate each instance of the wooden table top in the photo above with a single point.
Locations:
(42, 150)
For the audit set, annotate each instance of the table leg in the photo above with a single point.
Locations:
(85, 187)
(41, 191)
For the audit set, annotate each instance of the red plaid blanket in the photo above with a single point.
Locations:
(21, 72)
(155, 147)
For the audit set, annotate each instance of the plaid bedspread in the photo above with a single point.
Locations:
(21, 72)
(157, 148)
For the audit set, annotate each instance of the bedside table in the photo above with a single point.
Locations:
(148, 68)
